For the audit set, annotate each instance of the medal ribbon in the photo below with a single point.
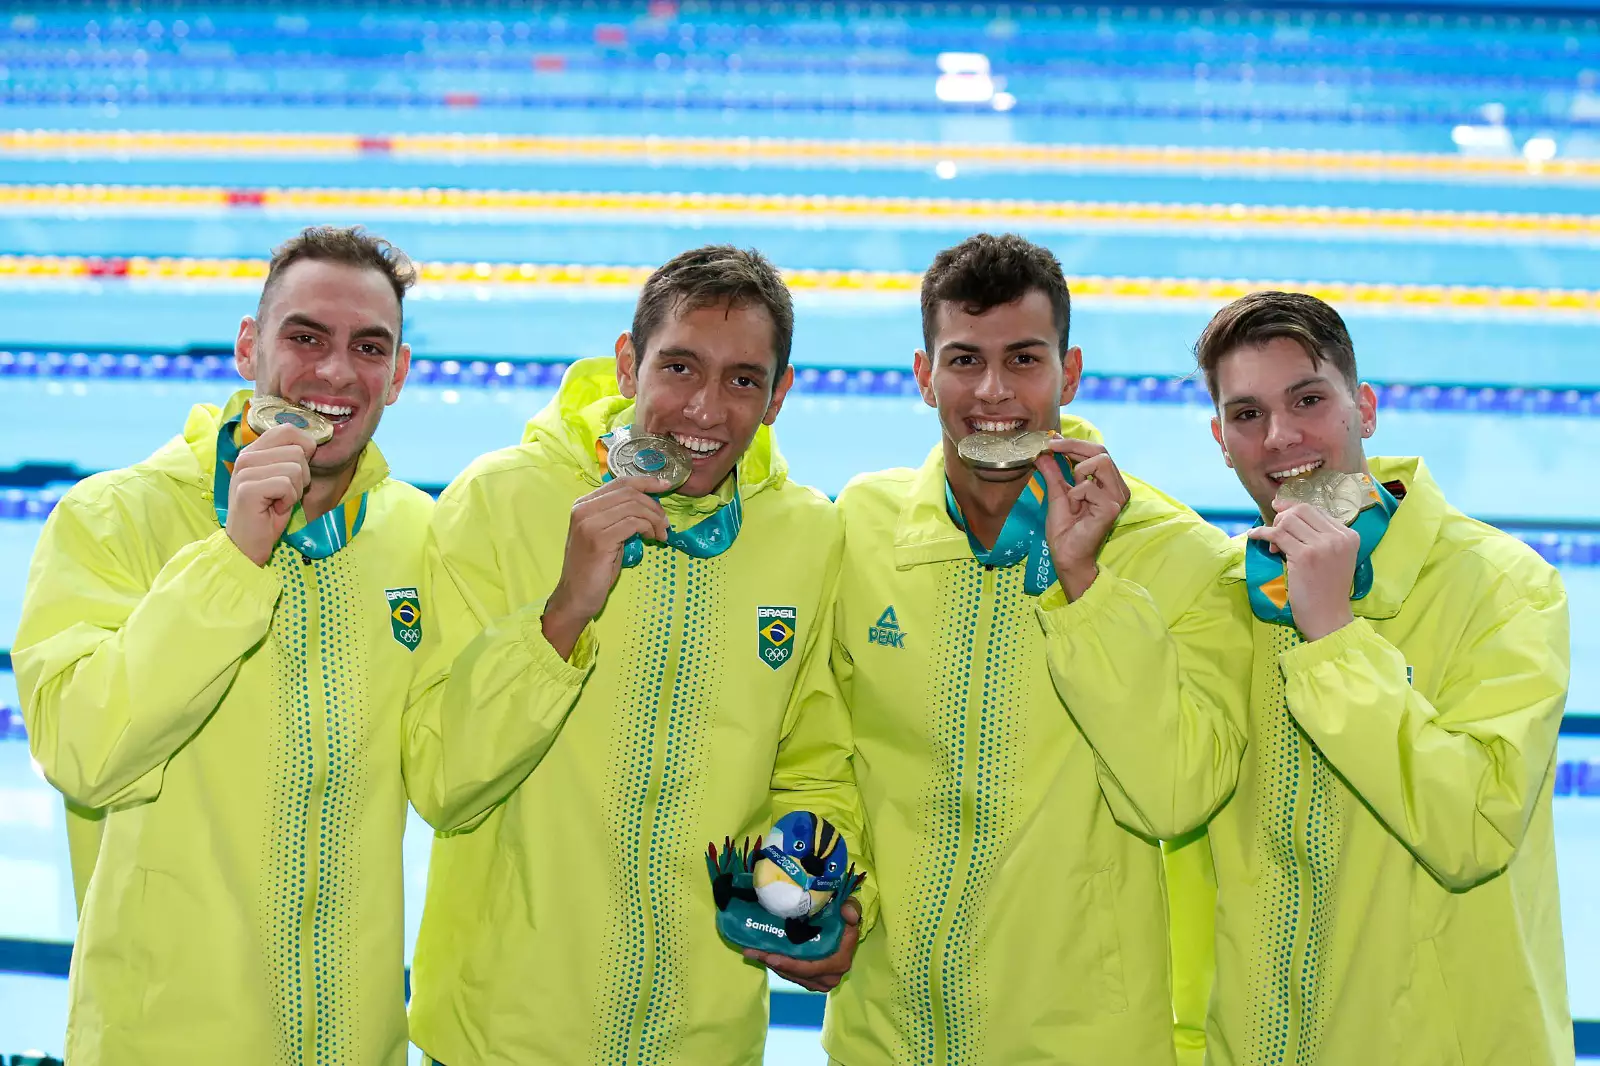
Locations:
(1022, 537)
(1268, 583)
(314, 540)
(705, 539)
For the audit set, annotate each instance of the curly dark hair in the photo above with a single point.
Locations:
(986, 271)
(712, 276)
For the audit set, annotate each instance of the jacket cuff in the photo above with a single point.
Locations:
(1312, 654)
(569, 671)
(234, 570)
(1061, 616)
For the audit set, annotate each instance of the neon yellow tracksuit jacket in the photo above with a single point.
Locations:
(1386, 871)
(1018, 758)
(233, 734)
(569, 916)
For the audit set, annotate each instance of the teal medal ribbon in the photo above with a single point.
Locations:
(1022, 537)
(1267, 581)
(315, 540)
(705, 539)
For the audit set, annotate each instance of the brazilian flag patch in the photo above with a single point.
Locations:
(775, 627)
(405, 616)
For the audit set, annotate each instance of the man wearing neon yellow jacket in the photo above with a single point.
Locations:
(1386, 872)
(214, 654)
(569, 916)
(1040, 674)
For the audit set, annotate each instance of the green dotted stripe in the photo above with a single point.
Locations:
(1278, 900)
(290, 777)
(647, 647)
(1001, 743)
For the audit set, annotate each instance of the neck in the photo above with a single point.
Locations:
(324, 493)
(984, 504)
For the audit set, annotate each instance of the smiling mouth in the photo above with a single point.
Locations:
(338, 414)
(1296, 471)
(699, 448)
(996, 425)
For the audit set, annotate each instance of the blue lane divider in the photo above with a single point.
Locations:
(1376, 114)
(545, 373)
(673, 58)
(789, 26)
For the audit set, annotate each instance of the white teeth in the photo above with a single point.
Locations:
(698, 445)
(328, 409)
(984, 426)
(1304, 468)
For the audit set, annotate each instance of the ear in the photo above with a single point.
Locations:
(1216, 435)
(402, 369)
(244, 348)
(627, 367)
(1071, 374)
(922, 370)
(1367, 402)
(785, 383)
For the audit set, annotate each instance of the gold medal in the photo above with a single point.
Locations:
(647, 455)
(1339, 495)
(269, 411)
(1003, 451)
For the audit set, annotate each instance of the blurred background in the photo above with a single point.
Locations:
(1431, 170)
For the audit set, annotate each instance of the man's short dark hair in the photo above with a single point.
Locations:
(985, 271)
(349, 245)
(1251, 321)
(714, 276)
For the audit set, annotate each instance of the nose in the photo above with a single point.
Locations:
(703, 406)
(1281, 434)
(336, 369)
(994, 386)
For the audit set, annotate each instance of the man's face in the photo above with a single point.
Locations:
(706, 381)
(998, 371)
(1281, 414)
(328, 339)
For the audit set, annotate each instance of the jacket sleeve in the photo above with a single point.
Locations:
(815, 770)
(1455, 779)
(1160, 702)
(116, 671)
(491, 693)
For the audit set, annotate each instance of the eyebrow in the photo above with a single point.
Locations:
(1014, 346)
(753, 369)
(1303, 383)
(295, 318)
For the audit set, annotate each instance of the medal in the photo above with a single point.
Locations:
(269, 411)
(1339, 495)
(1004, 451)
(646, 455)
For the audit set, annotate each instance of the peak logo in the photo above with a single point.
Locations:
(887, 631)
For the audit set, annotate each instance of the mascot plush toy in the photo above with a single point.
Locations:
(801, 861)
(783, 895)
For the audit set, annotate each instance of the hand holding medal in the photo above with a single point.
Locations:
(1311, 530)
(643, 466)
(271, 473)
(1080, 516)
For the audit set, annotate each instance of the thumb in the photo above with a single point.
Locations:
(851, 911)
